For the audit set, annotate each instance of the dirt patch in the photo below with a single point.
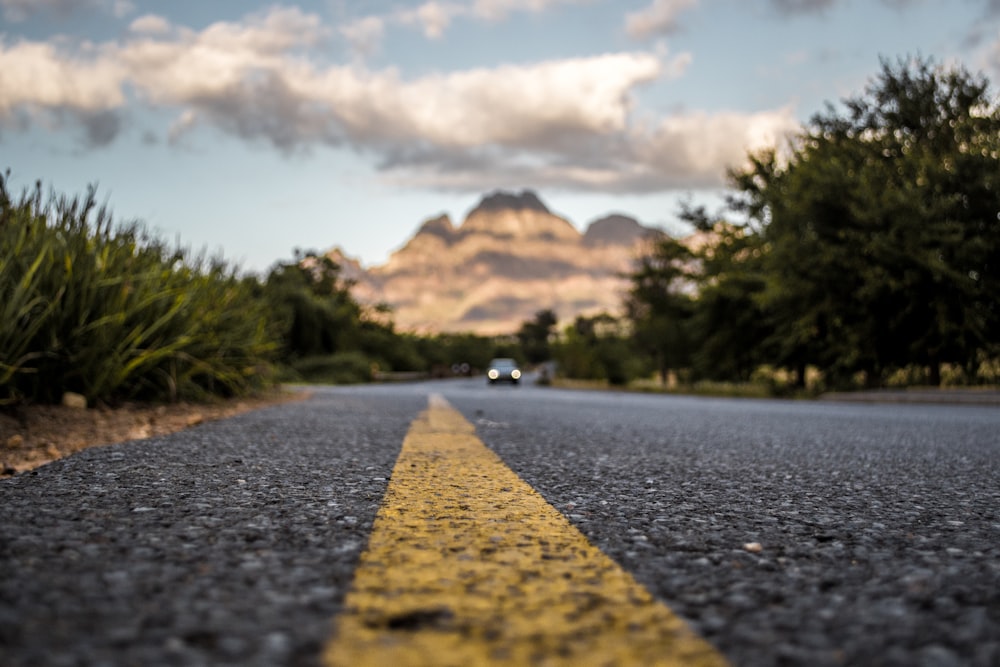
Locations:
(36, 435)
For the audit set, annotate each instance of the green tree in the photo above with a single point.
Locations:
(444, 351)
(880, 230)
(597, 348)
(534, 336)
(313, 307)
(727, 321)
(660, 303)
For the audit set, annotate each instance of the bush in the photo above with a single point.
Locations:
(111, 313)
(340, 368)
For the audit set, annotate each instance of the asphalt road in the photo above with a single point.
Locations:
(235, 542)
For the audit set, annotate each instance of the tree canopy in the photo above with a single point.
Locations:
(870, 243)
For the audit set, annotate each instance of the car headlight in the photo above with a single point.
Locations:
(493, 374)
(516, 374)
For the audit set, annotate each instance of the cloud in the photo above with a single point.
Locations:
(434, 18)
(660, 18)
(151, 24)
(498, 10)
(39, 81)
(680, 152)
(364, 35)
(692, 147)
(568, 122)
(38, 75)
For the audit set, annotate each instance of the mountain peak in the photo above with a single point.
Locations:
(501, 200)
(614, 229)
(440, 226)
(520, 216)
(508, 259)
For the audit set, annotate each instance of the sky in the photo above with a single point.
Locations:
(252, 129)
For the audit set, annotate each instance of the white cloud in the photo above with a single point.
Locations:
(434, 18)
(660, 18)
(517, 106)
(569, 122)
(696, 147)
(677, 66)
(37, 75)
(150, 23)
(680, 152)
(185, 66)
(498, 10)
(182, 125)
(364, 35)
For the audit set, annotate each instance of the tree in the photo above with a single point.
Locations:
(313, 307)
(596, 348)
(534, 336)
(727, 319)
(880, 229)
(660, 303)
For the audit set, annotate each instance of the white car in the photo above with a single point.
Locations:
(503, 370)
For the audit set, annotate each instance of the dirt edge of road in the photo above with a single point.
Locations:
(39, 434)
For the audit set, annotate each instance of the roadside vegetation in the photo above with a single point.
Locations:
(112, 313)
(325, 335)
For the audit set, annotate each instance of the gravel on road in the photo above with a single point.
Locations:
(231, 543)
(795, 533)
(787, 533)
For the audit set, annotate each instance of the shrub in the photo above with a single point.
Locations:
(112, 313)
(340, 368)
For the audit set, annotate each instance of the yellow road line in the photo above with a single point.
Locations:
(468, 565)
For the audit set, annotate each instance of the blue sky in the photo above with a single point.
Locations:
(252, 129)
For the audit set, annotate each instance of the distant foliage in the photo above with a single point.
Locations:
(326, 335)
(660, 305)
(311, 308)
(597, 348)
(110, 312)
(341, 368)
(534, 336)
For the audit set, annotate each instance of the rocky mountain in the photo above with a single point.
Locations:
(508, 259)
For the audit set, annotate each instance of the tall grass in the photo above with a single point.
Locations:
(113, 313)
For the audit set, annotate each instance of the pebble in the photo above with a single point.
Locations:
(74, 401)
(844, 501)
(152, 538)
(851, 502)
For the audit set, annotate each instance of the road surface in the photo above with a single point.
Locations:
(797, 533)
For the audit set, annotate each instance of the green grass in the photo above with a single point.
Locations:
(341, 368)
(112, 313)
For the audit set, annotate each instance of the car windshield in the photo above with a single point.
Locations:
(503, 363)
